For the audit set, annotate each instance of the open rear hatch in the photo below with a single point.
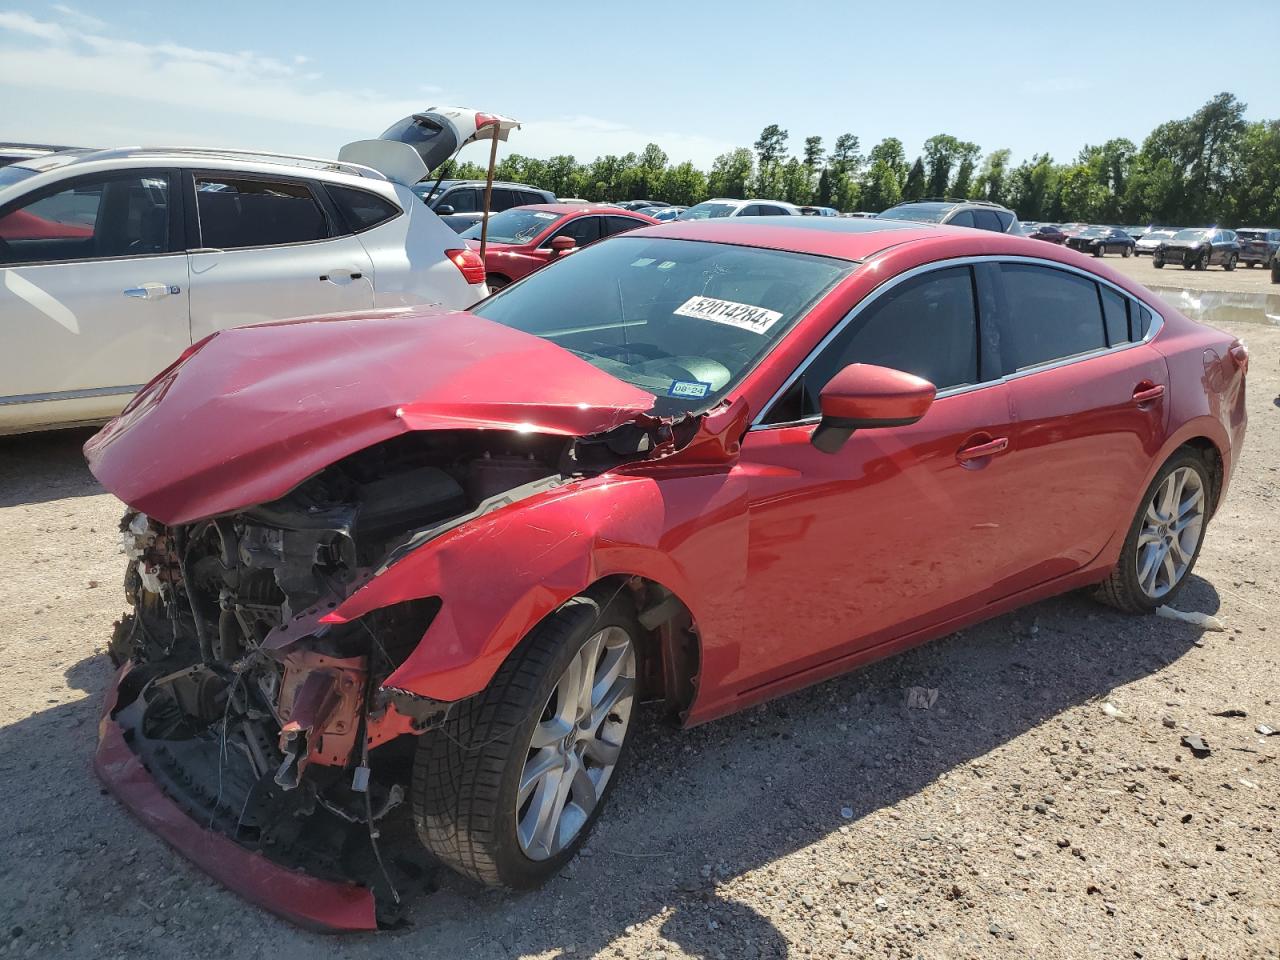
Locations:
(412, 148)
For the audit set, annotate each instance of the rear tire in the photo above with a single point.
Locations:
(1140, 582)
(1230, 264)
(467, 776)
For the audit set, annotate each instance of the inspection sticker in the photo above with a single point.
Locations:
(741, 315)
(689, 389)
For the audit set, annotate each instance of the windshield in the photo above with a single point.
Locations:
(921, 212)
(1096, 232)
(1251, 234)
(684, 320)
(516, 225)
(708, 211)
(1191, 235)
(14, 174)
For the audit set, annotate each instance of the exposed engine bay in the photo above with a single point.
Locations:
(261, 720)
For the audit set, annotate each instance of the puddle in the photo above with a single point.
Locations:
(1218, 306)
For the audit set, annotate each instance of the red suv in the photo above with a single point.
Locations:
(523, 239)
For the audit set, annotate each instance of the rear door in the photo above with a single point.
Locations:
(267, 248)
(93, 295)
(902, 527)
(1089, 403)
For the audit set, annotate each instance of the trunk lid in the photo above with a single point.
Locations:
(251, 412)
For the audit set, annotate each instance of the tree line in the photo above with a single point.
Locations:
(1212, 167)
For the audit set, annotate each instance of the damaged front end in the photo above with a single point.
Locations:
(266, 721)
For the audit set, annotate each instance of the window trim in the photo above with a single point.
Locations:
(347, 229)
(175, 242)
(195, 232)
(1157, 324)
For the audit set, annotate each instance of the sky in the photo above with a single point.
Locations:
(589, 78)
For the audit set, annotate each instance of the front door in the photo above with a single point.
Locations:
(93, 296)
(903, 526)
(267, 250)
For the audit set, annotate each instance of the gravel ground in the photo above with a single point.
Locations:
(1016, 818)
(1240, 280)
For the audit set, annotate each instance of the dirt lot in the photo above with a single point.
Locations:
(1015, 818)
(1240, 280)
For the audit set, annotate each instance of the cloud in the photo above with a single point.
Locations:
(225, 97)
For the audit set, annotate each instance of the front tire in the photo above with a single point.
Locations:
(509, 788)
(1126, 252)
(1157, 262)
(1164, 539)
(1203, 262)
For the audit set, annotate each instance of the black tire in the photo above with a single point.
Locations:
(1249, 264)
(1126, 252)
(1230, 263)
(1275, 271)
(1203, 262)
(1157, 262)
(495, 281)
(466, 774)
(1099, 250)
(1121, 589)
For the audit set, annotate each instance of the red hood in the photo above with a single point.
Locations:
(254, 411)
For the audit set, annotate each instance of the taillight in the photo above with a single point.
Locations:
(469, 262)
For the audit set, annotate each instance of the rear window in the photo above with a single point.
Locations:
(921, 212)
(361, 209)
(684, 320)
(254, 213)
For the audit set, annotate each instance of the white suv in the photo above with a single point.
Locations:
(728, 207)
(112, 262)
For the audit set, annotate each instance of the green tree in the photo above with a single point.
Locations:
(772, 145)
(813, 154)
(684, 184)
(942, 153)
(991, 184)
(730, 174)
(917, 183)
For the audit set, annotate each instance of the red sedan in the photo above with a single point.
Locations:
(702, 465)
(524, 239)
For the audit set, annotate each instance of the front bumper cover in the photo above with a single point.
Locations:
(322, 905)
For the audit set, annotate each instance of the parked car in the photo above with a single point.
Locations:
(640, 204)
(678, 467)
(113, 262)
(1199, 248)
(957, 213)
(523, 239)
(18, 152)
(460, 203)
(1258, 245)
(1048, 232)
(861, 214)
(721, 207)
(664, 213)
(1100, 241)
(1152, 239)
(819, 211)
(1136, 232)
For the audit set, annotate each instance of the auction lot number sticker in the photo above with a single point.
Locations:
(741, 315)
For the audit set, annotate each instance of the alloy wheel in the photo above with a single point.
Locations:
(575, 746)
(1170, 534)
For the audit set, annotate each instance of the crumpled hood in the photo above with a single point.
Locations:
(252, 412)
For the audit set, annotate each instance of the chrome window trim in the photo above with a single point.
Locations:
(125, 391)
(1157, 323)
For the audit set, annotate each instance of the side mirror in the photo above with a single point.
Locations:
(444, 210)
(863, 396)
(562, 245)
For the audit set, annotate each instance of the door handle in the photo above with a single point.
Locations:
(353, 274)
(987, 448)
(152, 291)
(1147, 391)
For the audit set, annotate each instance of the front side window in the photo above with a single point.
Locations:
(584, 230)
(684, 320)
(927, 325)
(1051, 315)
(463, 200)
(709, 210)
(121, 215)
(238, 212)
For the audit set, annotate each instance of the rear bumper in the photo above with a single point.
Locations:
(322, 905)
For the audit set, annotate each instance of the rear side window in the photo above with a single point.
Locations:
(751, 210)
(502, 199)
(527, 196)
(1143, 320)
(621, 224)
(361, 209)
(255, 213)
(927, 325)
(1050, 315)
(1006, 220)
(1115, 311)
(987, 220)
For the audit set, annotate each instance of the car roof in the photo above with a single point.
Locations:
(444, 184)
(846, 238)
(581, 208)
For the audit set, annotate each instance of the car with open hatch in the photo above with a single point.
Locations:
(697, 466)
(524, 239)
(113, 262)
